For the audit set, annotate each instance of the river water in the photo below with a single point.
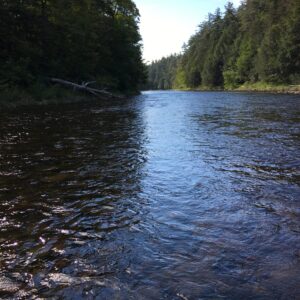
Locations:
(169, 195)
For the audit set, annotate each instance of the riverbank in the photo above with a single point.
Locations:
(260, 87)
(41, 95)
(269, 88)
(45, 95)
(16, 97)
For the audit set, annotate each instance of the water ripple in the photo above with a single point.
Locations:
(169, 195)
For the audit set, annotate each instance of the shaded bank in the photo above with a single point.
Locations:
(14, 98)
(40, 95)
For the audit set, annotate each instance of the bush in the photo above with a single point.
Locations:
(231, 79)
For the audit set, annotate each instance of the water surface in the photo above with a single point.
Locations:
(169, 195)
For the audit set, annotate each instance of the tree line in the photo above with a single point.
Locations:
(257, 42)
(82, 40)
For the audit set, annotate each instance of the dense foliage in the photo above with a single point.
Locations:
(258, 42)
(162, 73)
(73, 40)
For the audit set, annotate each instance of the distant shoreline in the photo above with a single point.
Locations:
(279, 89)
(252, 88)
(18, 98)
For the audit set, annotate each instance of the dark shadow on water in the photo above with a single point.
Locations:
(69, 195)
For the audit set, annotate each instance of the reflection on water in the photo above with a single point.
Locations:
(170, 195)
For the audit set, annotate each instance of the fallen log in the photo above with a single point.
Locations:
(85, 87)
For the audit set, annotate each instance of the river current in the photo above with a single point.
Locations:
(168, 195)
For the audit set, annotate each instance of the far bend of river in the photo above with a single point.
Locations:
(168, 195)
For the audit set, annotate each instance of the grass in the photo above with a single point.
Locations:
(269, 87)
(252, 87)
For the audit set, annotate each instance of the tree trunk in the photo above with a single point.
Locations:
(85, 87)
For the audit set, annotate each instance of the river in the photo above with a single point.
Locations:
(168, 195)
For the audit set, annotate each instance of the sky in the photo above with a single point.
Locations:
(166, 24)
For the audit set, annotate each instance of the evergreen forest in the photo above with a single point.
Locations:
(259, 42)
(82, 40)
